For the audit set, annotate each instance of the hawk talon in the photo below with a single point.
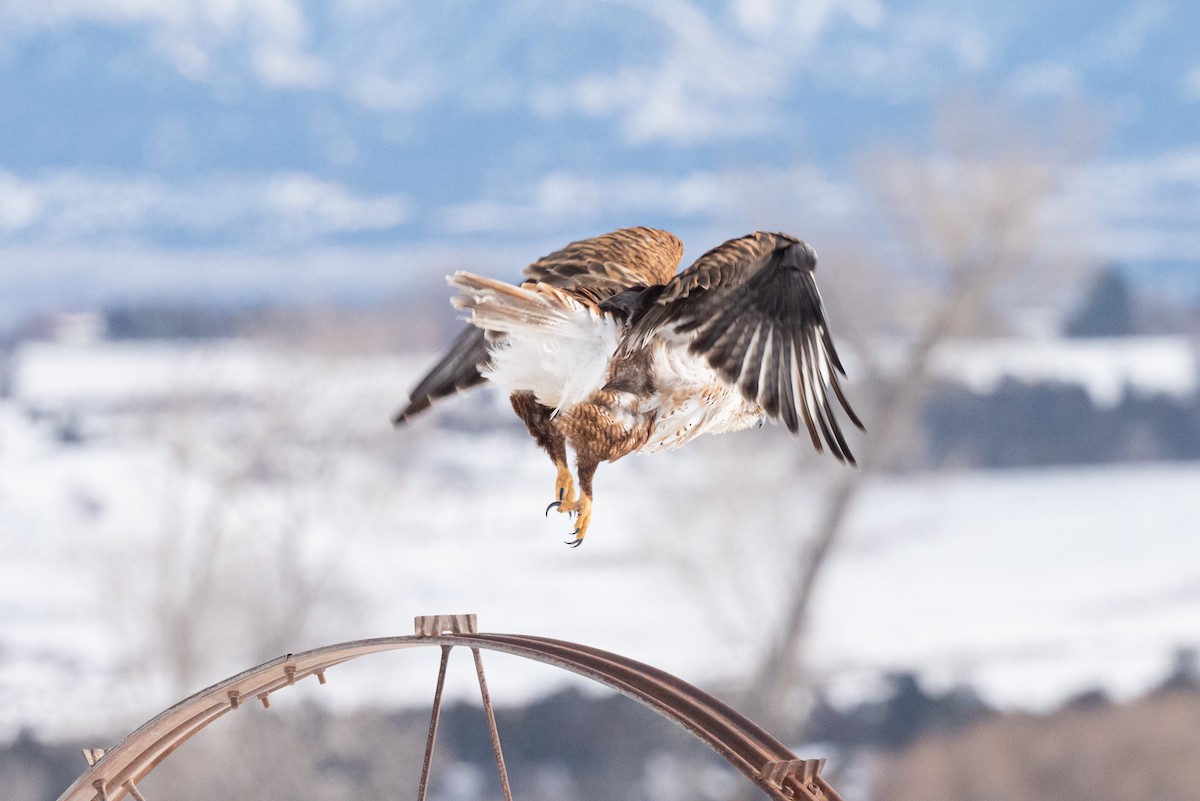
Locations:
(562, 492)
(575, 543)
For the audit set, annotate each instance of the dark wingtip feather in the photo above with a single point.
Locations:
(837, 390)
(457, 371)
(411, 410)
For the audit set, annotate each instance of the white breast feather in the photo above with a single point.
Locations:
(558, 366)
(691, 399)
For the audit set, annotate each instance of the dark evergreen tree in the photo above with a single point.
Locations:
(1108, 309)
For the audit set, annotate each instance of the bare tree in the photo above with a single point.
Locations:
(244, 549)
(970, 215)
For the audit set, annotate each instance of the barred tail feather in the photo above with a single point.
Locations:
(504, 309)
(546, 342)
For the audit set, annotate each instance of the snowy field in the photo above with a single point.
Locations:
(171, 515)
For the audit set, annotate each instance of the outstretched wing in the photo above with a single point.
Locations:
(598, 268)
(458, 371)
(752, 309)
(593, 270)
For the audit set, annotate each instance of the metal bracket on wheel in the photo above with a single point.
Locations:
(433, 625)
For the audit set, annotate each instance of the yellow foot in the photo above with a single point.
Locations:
(564, 491)
(579, 508)
(583, 516)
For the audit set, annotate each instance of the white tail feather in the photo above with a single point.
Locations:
(552, 345)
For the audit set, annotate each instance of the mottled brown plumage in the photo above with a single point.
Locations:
(596, 269)
(605, 350)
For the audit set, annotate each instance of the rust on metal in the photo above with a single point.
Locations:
(748, 748)
(289, 672)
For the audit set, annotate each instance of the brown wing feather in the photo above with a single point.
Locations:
(753, 311)
(598, 268)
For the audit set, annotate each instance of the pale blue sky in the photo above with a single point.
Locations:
(191, 134)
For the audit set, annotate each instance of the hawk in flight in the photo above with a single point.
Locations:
(605, 349)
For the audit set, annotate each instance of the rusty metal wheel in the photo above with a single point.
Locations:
(758, 756)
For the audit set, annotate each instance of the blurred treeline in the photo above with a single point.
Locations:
(1016, 423)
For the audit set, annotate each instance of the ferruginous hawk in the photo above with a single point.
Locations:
(605, 350)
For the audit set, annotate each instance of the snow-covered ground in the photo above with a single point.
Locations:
(1105, 367)
(170, 515)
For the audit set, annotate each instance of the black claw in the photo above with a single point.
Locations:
(575, 543)
(562, 492)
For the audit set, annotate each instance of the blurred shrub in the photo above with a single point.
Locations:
(1142, 751)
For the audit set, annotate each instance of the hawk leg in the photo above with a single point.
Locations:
(564, 485)
(599, 431)
(538, 420)
(581, 507)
